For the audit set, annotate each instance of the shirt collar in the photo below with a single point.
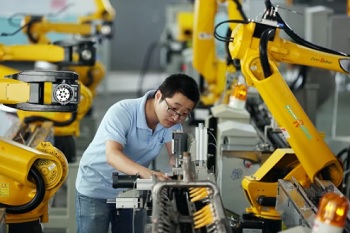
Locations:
(141, 117)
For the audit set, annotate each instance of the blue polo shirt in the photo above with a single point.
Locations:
(124, 122)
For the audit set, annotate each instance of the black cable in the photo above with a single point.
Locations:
(302, 75)
(229, 60)
(264, 58)
(32, 38)
(32, 119)
(15, 32)
(240, 9)
(273, 15)
(344, 161)
(347, 166)
(341, 153)
(306, 43)
(226, 38)
(277, 140)
(276, 16)
(269, 11)
(10, 19)
(28, 24)
(37, 199)
(145, 66)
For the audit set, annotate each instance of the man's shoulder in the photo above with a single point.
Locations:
(126, 104)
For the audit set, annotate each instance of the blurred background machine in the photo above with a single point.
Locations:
(176, 37)
(48, 53)
(32, 170)
(75, 53)
(96, 28)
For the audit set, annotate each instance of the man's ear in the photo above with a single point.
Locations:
(158, 95)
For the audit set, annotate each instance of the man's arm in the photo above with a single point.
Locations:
(117, 159)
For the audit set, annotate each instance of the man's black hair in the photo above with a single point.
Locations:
(180, 83)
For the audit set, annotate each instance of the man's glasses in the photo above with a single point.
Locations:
(173, 112)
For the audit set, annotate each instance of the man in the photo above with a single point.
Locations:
(129, 137)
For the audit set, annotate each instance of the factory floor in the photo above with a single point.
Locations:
(112, 92)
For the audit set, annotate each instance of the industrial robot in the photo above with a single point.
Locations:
(309, 168)
(96, 26)
(74, 53)
(216, 72)
(30, 176)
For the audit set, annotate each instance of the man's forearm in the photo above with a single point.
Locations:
(125, 165)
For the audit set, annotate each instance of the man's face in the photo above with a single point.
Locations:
(171, 111)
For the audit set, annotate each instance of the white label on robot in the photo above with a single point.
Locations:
(285, 132)
(252, 231)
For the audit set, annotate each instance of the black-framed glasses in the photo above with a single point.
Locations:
(173, 112)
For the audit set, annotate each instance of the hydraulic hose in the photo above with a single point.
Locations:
(264, 59)
(35, 202)
(32, 119)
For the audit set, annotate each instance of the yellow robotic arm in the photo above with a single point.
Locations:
(83, 53)
(65, 124)
(260, 48)
(37, 28)
(78, 54)
(29, 177)
(90, 76)
(104, 12)
(98, 24)
(25, 53)
(205, 61)
(68, 53)
(41, 91)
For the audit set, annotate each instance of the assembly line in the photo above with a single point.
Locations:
(244, 156)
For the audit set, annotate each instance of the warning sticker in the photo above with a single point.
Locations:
(4, 189)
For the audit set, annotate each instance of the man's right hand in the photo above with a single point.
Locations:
(161, 176)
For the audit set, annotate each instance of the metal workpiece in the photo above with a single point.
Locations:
(189, 170)
(297, 205)
(179, 144)
(191, 202)
(201, 135)
(295, 210)
(197, 145)
(165, 214)
(31, 134)
(2, 220)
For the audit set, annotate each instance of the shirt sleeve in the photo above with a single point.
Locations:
(116, 124)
